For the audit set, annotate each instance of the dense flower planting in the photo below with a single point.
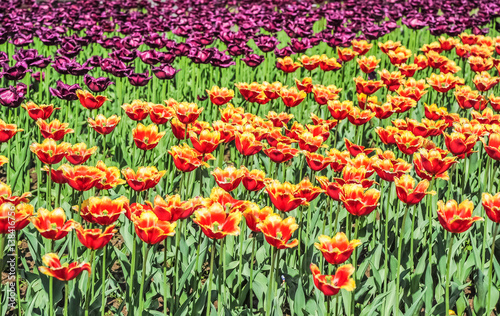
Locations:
(249, 158)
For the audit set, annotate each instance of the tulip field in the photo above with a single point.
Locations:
(277, 158)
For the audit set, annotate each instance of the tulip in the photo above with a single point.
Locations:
(95, 238)
(206, 142)
(408, 143)
(484, 82)
(14, 215)
(247, 144)
(408, 193)
(389, 169)
(150, 229)
(220, 96)
(392, 80)
(111, 177)
(52, 225)
(338, 249)
(49, 152)
(388, 46)
(97, 84)
(357, 201)
(145, 178)
(215, 223)
(317, 162)
(283, 196)
(12, 96)
(339, 159)
(291, 97)
(147, 138)
(186, 112)
(172, 208)
(456, 218)
(137, 110)
(361, 47)
(79, 154)
(492, 147)
(329, 64)
(434, 161)
(102, 211)
(89, 101)
(186, 159)
(278, 231)
(7, 131)
(331, 284)
(42, 111)
(368, 64)
(64, 272)
(104, 125)
(55, 129)
(65, 91)
(287, 65)
(367, 87)
(229, 178)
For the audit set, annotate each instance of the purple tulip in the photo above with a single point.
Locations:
(253, 60)
(97, 84)
(139, 79)
(65, 91)
(70, 49)
(115, 67)
(124, 55)
(11, 97)
(165, 72)
(22, 40)
(266, 43)
(150, 57)
(94, 61)
(16, 72)
(282, 52)
(4, 58)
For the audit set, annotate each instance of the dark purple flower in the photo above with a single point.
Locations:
(165, 72)
(16, 72)
(65, 91)
(300, 46)
(115, 67)
(124, 55)
(253, 60)
(97, 84)
(70, 48)
(181, 49)
(201, 56)
(27, 55)
(150, 57)
(139, 79)
(202, 97)
(94, 61)
(48, 36)
(266, 43)
(22, 40)
(283, 52)
(76, 69)
(222, 60)
(11, 97)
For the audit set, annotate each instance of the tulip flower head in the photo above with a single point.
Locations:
(408, 193)
(95, 238)
(49, 152)
(22, 215)
(52, 225)
(42, 111)
(150, 229)
(215, 223)
(284, 196)
(102, 211)
(144, 179)
(63, 272)
(89, 101)
(337, 249)
(331, 284)
(278, 231)
(491, 204)
(357, 201)
(456, 218)
(104, 125)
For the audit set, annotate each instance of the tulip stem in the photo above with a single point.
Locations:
(212, 255)
(490, 270)
(88, 297)
(58, 197)
(411, 241)
(251, 274)
(51, 296)
(429, 216)
(240, 270)
(328, 299)
(49, 189)
(165, 294)
(141, 290)
(337, 215)
(486, 189)
(386, 240)
(401, 238)
(176, 267)
(355, 261)
(132, 270)
(66, 298)
(301, 211)
(450, 251)
(18, 288)
(103, 306)
(271, 282)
